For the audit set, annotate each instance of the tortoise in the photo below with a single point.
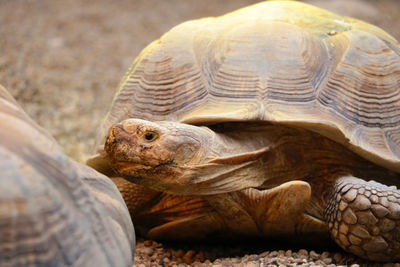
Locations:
(279, 119)
(54, 211)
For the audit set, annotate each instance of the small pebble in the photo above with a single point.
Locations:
(273, 254)
(147, 251)
(188, 257)
(324, 255)
(199, 256)
(314, 255)
(251, 264)
(303, 252)
(327, 260)
(148, 243)
(254, 257)
(337, 257)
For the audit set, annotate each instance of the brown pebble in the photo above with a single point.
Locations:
(303, 252)
(273, 254)
(327, 260)
(325, 255)
(177, 253)
(314, 255)
(199, 256)
(147, 251)
(251, 264)
(337, 257)
(188, 257)
(254, 257)
(217, 261)
(147, 243)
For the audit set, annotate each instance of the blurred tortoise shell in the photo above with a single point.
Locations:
(280, 61)
(54, 211)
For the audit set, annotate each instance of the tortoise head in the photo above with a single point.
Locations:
(154, 154)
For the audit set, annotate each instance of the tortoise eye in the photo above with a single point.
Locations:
(150, 136)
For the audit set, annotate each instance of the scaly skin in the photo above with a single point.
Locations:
(364, 218)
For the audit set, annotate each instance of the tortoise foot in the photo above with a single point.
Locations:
(364, 218)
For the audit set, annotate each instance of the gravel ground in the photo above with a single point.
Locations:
(151, 253)
(62, 60)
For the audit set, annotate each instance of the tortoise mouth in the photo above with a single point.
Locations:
(137, 168)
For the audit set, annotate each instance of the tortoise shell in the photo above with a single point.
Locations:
(54, 211)
(282, 62)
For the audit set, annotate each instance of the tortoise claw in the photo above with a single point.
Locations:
(364, 218)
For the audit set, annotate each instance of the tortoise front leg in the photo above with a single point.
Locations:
(364, 218)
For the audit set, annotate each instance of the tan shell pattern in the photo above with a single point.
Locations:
(284, 62)
(54, 211)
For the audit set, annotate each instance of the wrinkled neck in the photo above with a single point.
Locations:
(233, 140)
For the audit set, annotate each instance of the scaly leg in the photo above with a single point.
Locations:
(364, 218)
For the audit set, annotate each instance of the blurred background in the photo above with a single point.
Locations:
(63, 60)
